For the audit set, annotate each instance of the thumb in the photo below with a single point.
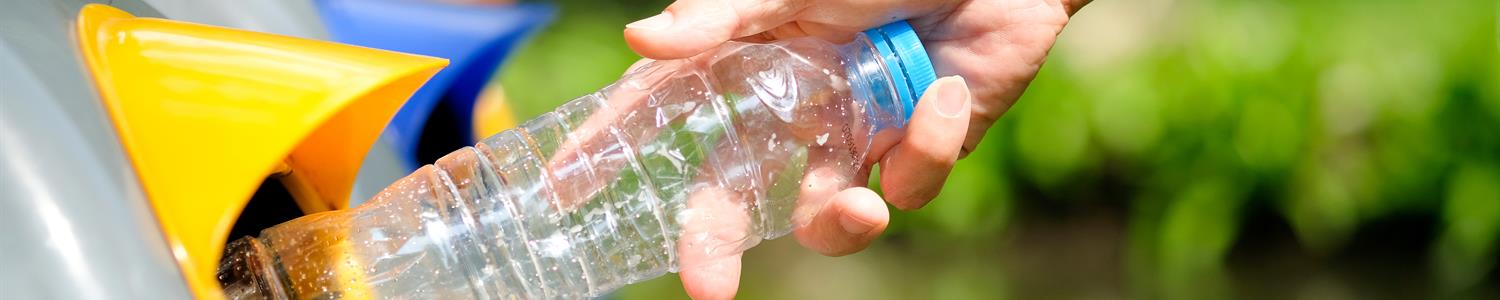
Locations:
(913, 171)
(689, 27)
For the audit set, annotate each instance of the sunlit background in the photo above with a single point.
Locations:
(1334, 149)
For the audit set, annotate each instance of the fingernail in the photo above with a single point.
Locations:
(952, 95)
(654, 23)
(855, 226)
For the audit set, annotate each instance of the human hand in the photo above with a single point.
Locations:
(993, 47)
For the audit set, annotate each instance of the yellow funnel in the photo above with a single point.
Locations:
(206, 113)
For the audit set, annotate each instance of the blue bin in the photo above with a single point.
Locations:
(475, 38)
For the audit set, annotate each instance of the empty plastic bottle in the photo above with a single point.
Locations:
(709, 153)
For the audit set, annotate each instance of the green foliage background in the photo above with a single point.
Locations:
(1173, 149)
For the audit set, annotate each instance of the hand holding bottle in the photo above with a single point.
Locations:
(989, 49)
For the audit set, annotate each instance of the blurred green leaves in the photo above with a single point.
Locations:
(1269, 135)
(1051, 138)
(1127, 117)
(1321, 208)
(1466, 249)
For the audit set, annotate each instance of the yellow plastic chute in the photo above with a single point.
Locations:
(206, 113)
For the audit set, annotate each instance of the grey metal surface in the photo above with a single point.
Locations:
(285, 17)
(74, 223)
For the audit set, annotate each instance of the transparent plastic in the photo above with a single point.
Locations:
(710, 153)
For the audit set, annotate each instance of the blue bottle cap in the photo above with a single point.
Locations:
(905, 59)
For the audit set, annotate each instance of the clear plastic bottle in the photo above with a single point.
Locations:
(605, 190)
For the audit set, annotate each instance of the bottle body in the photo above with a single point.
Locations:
(711, 153)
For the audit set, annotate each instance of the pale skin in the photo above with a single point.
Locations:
(986, 52)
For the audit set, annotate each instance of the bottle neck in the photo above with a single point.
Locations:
(248, 271)
(871, 82)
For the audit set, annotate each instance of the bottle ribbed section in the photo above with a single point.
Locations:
(607, 190)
